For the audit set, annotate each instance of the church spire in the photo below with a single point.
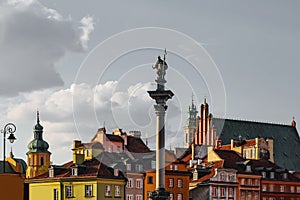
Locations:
(191, 123)
(37, 116)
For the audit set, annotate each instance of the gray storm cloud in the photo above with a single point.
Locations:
(33, 38)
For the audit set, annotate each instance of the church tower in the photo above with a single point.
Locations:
(38, 155)
(191, 125)
(206, 134)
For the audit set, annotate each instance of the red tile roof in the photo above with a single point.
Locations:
(89, 168)
(136, 145)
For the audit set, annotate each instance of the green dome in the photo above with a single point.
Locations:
(38, 145)
(38, 127)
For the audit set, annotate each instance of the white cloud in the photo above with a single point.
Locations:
(78, 111)
(87, 27)
(33, 38)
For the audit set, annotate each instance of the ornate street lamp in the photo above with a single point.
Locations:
(9, 128)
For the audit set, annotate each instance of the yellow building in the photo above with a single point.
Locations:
(86, 177)
(38, 155)
(91, 180)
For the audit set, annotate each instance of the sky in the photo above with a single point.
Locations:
(88, 64)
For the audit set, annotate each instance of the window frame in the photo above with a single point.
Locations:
(55, 194)
(130, 183)
(86, 190)
(179, 183)
(69, 191)
(117, 190)
(108, 190)
(171, 182)
(139, 183)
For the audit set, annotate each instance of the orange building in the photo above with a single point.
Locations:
(177, 179)
(12, 181)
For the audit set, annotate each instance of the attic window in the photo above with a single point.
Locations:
(264, 174)
(284, 175)
(128, 166)
(74, 171)
(272, 175)
(51, 173)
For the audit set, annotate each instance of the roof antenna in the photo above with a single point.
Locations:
(104, 124)
(146, 139)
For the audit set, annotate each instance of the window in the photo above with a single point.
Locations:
(222, 177)
(255, 195)
(150, 180)
(87, 153)
(171, 196)
(246, 152)
(282, 188)
(88, 191)
(118, 149)
(69, 191)
(42, 161)
(231, 177)
(272, 175)
(179, 196)
(74, 171)
(117, 191)
(139, 197)
(230, 192)
(51, 173)
(179, 183)
(256, 182)
(253, 153)
(249, 195)
(298, 189)
(264, 188)
(176, 167)
(139, 167)
(249, 181)
(107, 190)
(130, 183)
(153, 164)
(243, 195)
(264, 174)
(128, 167)
(129, 197)
(222, 192)
(55, 194)
(242, 181)
(271, 188)
(214, 191)
(292, 189)
(284, 175)
(138, 183)
(171, 182)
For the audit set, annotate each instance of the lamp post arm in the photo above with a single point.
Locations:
(8, 128)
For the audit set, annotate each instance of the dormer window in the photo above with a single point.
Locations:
(51, 172)
(128, 166)
(272, 175)
(284, 175)
(263, 174)
(74, 171)
(176, 167)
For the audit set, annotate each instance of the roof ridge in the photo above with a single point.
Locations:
(253, 121)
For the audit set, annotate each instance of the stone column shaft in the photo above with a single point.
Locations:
(160, 147)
